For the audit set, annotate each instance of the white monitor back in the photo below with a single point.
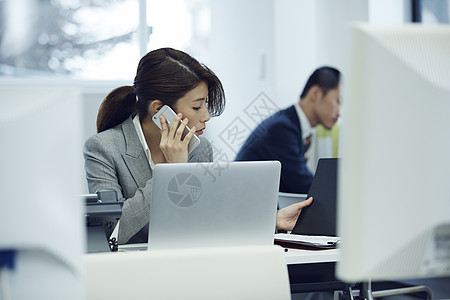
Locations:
(394, 177)
(41, 176)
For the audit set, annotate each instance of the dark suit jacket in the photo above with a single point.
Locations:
(115, 159)
(279, 137)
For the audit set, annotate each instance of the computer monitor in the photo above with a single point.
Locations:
(394, 176)
(41, 178)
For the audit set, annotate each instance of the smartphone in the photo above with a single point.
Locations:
(170, 115)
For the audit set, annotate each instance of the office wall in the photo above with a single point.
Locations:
(309, 34)
(389, 12)
(242, 55)
(313, 33)
(93, 94)
(263, 51)
(295, 47)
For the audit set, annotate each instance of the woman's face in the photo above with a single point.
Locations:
(193, 106)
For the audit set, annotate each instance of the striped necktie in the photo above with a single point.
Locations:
(307, 145)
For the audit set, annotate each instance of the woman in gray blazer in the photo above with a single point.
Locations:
(121, 156)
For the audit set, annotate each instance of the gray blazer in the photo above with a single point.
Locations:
(115, 159)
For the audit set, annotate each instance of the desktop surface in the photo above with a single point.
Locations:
(293, 256)
(314, 271)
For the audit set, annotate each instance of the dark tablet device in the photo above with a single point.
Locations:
(320, 217)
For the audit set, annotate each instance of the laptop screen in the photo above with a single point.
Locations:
(213, 204)
(320, 217)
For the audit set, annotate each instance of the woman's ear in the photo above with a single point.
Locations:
(155, 106)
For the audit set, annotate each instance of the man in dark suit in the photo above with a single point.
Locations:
(285, 135)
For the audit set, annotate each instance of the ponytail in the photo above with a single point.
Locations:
(116, 108)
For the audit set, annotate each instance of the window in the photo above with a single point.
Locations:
(95, 39)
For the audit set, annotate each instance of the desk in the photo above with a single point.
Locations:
(309, 270)
(299, 256)
(313, 271)
(293, 256)
(244, 272)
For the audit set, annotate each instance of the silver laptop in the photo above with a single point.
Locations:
(213, 204)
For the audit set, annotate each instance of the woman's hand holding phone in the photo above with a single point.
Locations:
(170, 116)
(173, 145)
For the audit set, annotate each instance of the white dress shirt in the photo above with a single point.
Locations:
(140, 133)
(304, 123)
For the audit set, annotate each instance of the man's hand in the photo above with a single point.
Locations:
(287, 217)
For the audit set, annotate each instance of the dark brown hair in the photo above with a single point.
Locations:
(167, 75)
